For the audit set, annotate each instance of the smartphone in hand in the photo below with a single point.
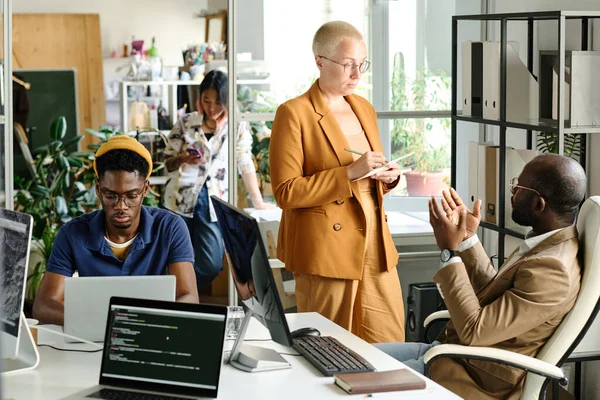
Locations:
(194, 151)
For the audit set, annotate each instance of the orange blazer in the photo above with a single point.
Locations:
(323, 225)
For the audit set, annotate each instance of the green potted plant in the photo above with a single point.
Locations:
(58, 192)
(547, 142)
(430, 169)
(426, 171)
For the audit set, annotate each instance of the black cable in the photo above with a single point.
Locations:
(73, 350)
(290, 354)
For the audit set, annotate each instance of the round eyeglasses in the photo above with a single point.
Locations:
(130, 199)
(514, 186)
(350, 67)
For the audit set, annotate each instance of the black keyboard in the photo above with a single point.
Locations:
(330, 356)
(112, 394)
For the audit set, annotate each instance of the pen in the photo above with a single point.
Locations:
(360, 154)
(354, 151)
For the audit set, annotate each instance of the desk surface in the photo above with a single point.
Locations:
(63, 373)
(401, 224)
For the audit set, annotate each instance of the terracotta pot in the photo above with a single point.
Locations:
(429, 184)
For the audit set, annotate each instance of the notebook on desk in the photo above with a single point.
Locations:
(156, 349)
(380, 381)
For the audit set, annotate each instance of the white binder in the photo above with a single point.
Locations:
(522, 92)
(466, 79)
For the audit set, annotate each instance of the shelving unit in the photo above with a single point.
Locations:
(558, 127)
(171, 105)
(171, 86)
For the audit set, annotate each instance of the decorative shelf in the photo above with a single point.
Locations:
(530, 125)
(530, 16)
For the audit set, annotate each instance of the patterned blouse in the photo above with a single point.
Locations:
(184, 184)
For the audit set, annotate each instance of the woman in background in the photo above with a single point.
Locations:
(196, 159)
(333, 234)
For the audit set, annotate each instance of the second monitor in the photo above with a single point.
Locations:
(256, 287)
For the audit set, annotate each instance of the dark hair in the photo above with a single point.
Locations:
(216, 80)
(562, 182)
(122, 160)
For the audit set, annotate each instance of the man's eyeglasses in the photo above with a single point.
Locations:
(130, 199)
(514, 186)
(350, 67)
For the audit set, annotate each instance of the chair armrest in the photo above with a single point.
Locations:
(506, 357)
(444, 314)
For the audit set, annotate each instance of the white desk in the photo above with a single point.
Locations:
(402, 225)
(63, 373)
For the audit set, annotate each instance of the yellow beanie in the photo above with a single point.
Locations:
(124, 142)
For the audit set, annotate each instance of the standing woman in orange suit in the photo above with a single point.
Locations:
(334, 235)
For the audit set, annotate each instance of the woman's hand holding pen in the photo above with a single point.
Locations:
(367, 162)
(389, 175)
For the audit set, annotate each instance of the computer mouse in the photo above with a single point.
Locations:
(305, 332)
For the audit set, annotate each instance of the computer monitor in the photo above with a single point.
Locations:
(249, 265)
(17, 351)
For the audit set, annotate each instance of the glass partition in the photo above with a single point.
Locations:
(6, 138)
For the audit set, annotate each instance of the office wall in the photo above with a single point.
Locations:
(547, 38)
(172, 22)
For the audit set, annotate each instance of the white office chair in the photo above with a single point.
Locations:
(545, 367)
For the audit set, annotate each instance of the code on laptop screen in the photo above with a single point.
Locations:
(164, 347)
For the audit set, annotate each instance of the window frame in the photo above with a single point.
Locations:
(378, 24)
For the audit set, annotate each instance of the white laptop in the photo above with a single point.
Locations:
(158, 350)
(86, 299)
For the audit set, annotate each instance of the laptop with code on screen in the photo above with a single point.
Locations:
(160, 349)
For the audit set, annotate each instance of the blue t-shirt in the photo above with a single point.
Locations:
(80, 245)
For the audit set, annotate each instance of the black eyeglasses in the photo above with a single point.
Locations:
(350, 67)
(130, 199)
(514, 186)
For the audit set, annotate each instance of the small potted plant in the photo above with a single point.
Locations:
(429, 165)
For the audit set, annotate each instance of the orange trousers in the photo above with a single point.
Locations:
(371, 308)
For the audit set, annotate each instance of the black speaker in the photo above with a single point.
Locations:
(423, 299)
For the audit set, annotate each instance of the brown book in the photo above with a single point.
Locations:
(380, 381)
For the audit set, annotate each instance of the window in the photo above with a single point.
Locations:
(289, 27)
(409, 82)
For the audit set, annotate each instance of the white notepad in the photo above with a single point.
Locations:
(384, 167)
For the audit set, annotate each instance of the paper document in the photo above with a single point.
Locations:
(384, 167)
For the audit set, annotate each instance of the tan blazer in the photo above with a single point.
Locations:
(517, 311)
(323, 226)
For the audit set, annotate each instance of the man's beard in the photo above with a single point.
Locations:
(122, 226)
(521, 218)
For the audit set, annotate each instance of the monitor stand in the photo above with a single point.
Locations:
(253, 358)
(27, 353)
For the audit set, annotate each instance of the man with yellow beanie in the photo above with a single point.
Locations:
(123, 238)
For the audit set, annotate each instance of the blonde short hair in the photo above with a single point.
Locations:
(329, 35)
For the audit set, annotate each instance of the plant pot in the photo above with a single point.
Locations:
(427, 184)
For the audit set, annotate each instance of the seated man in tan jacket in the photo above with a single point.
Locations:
(519, 307)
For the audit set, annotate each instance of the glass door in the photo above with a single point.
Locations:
(6, 137)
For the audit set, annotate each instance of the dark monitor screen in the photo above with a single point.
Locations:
(251, 270)
(164, 346)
